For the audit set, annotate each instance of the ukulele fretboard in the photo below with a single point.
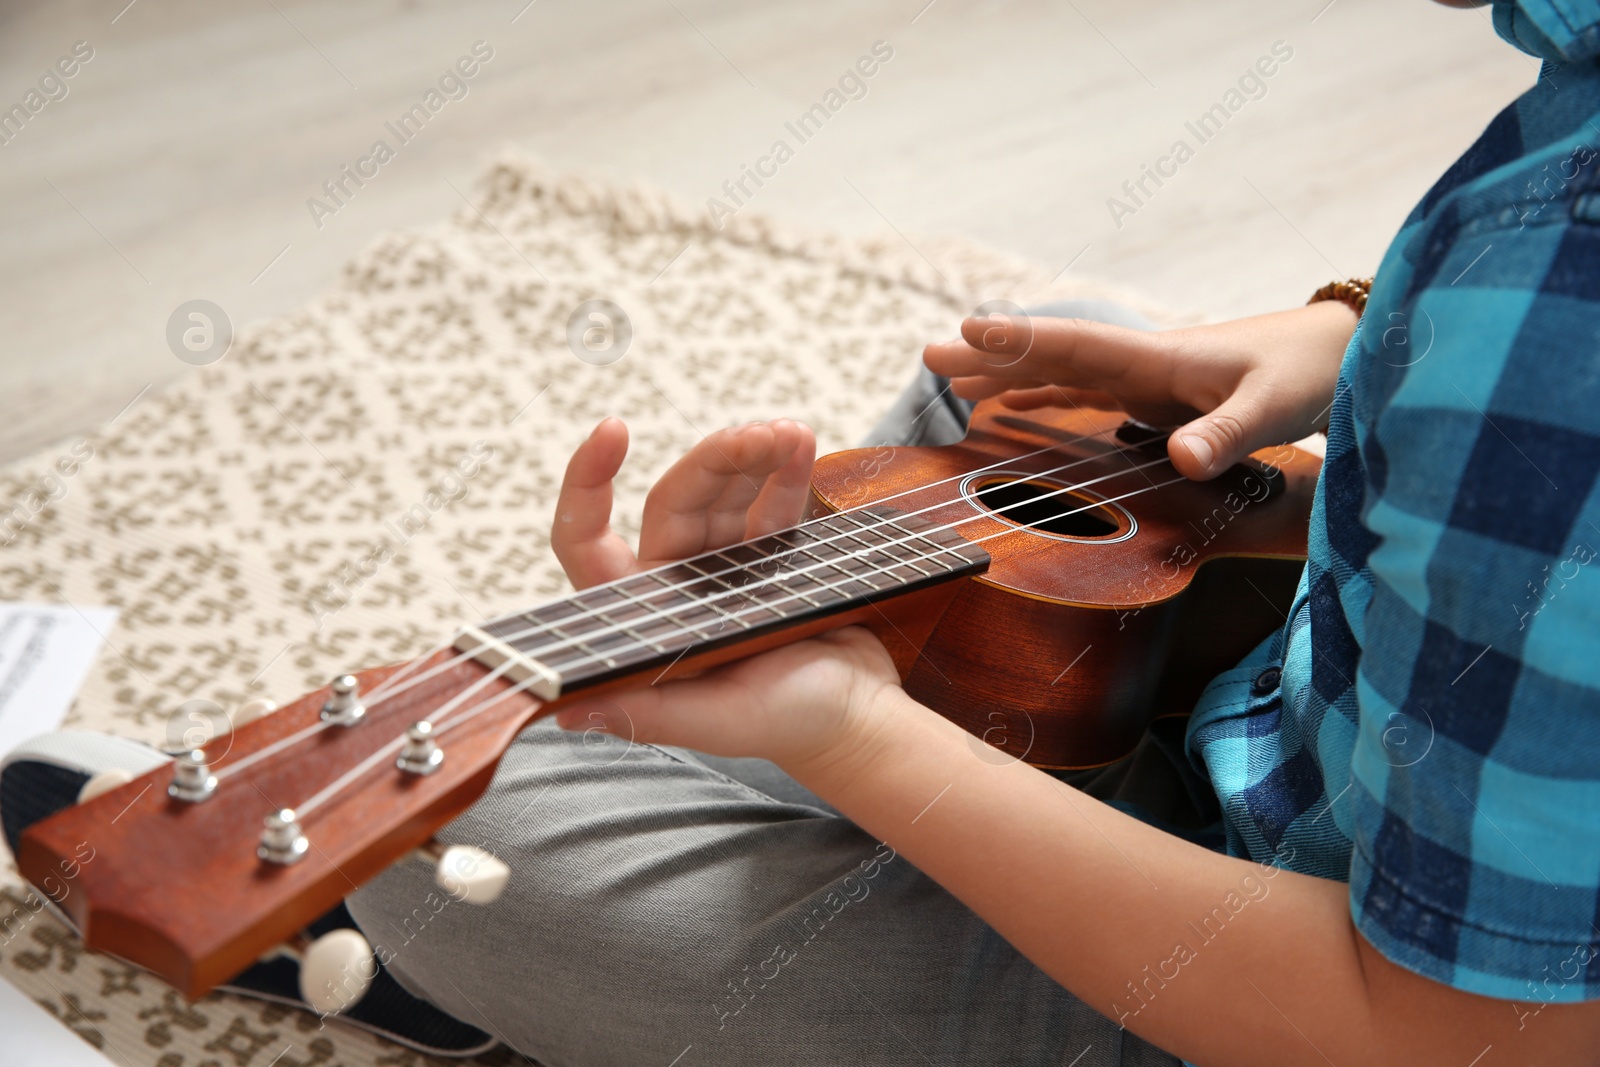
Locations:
(822, 567)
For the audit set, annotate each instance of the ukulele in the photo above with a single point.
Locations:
(1051, 583)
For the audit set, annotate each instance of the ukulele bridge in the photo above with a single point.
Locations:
(491, 651)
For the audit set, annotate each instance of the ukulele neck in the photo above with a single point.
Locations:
(826, 566)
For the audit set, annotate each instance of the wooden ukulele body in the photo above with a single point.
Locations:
(1058, 653)
(1068, 646)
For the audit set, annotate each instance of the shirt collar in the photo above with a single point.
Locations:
(1562, 31)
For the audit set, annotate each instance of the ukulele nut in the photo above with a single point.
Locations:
(192, 779)
(283, 841)
(421, 754)
(343, 706)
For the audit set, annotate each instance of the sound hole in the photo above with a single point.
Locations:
(1066, 514)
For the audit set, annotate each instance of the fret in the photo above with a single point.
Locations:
(840, 563)
(774, 571)
(775, 576)
(772, 577)
(573, 644)
(732, 590)
(623, 625)
(662, 613)
(835, 556)
(778, 574)
(861, 530)
(793, 592)
(862, 574)
(749, 558)
(725, 598)
(776, 597)
(693, 604)
(545, 636)
(806, 597)
(868, 546)
(804, 562)
(947, 548)
(873, 567)
(568, 637)
(897, 543)
(650, 620)
(937, 549)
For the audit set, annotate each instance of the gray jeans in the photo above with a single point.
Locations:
(673, 908)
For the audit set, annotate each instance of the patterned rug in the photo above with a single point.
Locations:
(302, 506)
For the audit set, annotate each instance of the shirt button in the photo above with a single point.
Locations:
(1266, 681)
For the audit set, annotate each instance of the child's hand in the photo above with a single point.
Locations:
(797, 704)
(1230, 388)
(737, 483)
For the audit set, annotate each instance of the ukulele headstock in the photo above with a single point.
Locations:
(198, 868)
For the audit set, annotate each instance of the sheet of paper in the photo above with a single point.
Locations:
(35, 1038)
(45, 652)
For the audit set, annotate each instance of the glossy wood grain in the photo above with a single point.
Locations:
(1065, 649)
(178, 888)
(1058, 654)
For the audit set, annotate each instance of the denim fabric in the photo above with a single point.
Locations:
(669, 907)
(666, 904)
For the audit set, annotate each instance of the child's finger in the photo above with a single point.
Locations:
(702, 500)
(980, 387)
(701, 713)
(581, 536)
(1060, 396)
(1029, 350)
(677, 512)
(782, 501)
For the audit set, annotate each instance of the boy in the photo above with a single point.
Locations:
(787, 860)
(1408, 772)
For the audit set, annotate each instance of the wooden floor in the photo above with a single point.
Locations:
(180, 162)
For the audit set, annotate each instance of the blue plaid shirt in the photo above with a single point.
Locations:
(1426, 726)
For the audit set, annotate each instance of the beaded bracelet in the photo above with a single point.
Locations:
(1352, 291)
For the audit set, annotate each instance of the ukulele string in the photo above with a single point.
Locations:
(623, 649)
(387, 691)
(389, 684)
(403, 680)
(394, 745)
(434, 718)
(734, 591)
(345, 780)
(668, 588)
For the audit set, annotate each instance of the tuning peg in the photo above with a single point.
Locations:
(466, 872)
(343, 706)
(104, 782)
(251, 710)
(421, 754)
(336, 969)
(282, 839)
(192, 779)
